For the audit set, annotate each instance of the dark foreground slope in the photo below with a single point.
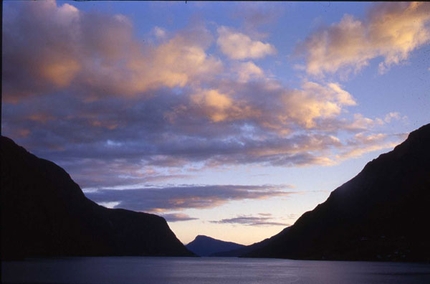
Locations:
(45, 213)
(381, 214)
(207, 246)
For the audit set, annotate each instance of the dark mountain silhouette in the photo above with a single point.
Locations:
(45, 213)
(381, 214)
(207, 246)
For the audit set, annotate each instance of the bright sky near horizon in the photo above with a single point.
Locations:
(229, 119)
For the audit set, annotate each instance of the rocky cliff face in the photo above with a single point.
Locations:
(381, 214)
(45, 213)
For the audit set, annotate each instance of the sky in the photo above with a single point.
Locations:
(229, 119)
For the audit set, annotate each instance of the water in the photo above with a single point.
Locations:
(164, 270)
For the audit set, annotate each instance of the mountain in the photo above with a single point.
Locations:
(207, 246)
(381, 214)
(45, 213)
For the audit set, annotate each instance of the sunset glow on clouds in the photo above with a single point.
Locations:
(391, 31)
(181, 118)
(240, 46)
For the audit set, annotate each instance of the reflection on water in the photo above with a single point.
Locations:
(149, 270)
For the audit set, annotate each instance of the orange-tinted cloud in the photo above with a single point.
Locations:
(237, 45)
(247, 71)
(391, 31)
(180, 61)
(50, 47)
(315, 101)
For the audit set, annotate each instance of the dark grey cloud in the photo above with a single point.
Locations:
(26, 30)
(261, 220)
(182, 197)
(177, 217)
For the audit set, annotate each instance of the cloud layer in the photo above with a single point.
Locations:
(261, 220)
(82, 89)
(183, 197)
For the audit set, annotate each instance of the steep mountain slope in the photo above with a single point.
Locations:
(45, 213)
(207, 246)
(381, 214)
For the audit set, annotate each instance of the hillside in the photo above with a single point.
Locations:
(381, 214)
(45, 213)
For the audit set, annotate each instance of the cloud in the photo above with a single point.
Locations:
(269, 106)
(390, 30)
(177, 217)
(183, 197)
(262, 220)
(93, 54)
(110, 205)
(247, 71)
(135, 112)
(216, 103)
(180, 61)
(315, 101)
(117, 141)
(28, 62)
(393, 116)
(363, 143)
(240, 46)
(95, 172)
(159, 33)
(258, 14)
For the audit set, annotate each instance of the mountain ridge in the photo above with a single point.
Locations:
(377, 215)
(45, 213)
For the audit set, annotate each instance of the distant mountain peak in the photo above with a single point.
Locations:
(202, 236)
(207, 246)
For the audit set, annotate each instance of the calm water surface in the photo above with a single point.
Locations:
(151, 270)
